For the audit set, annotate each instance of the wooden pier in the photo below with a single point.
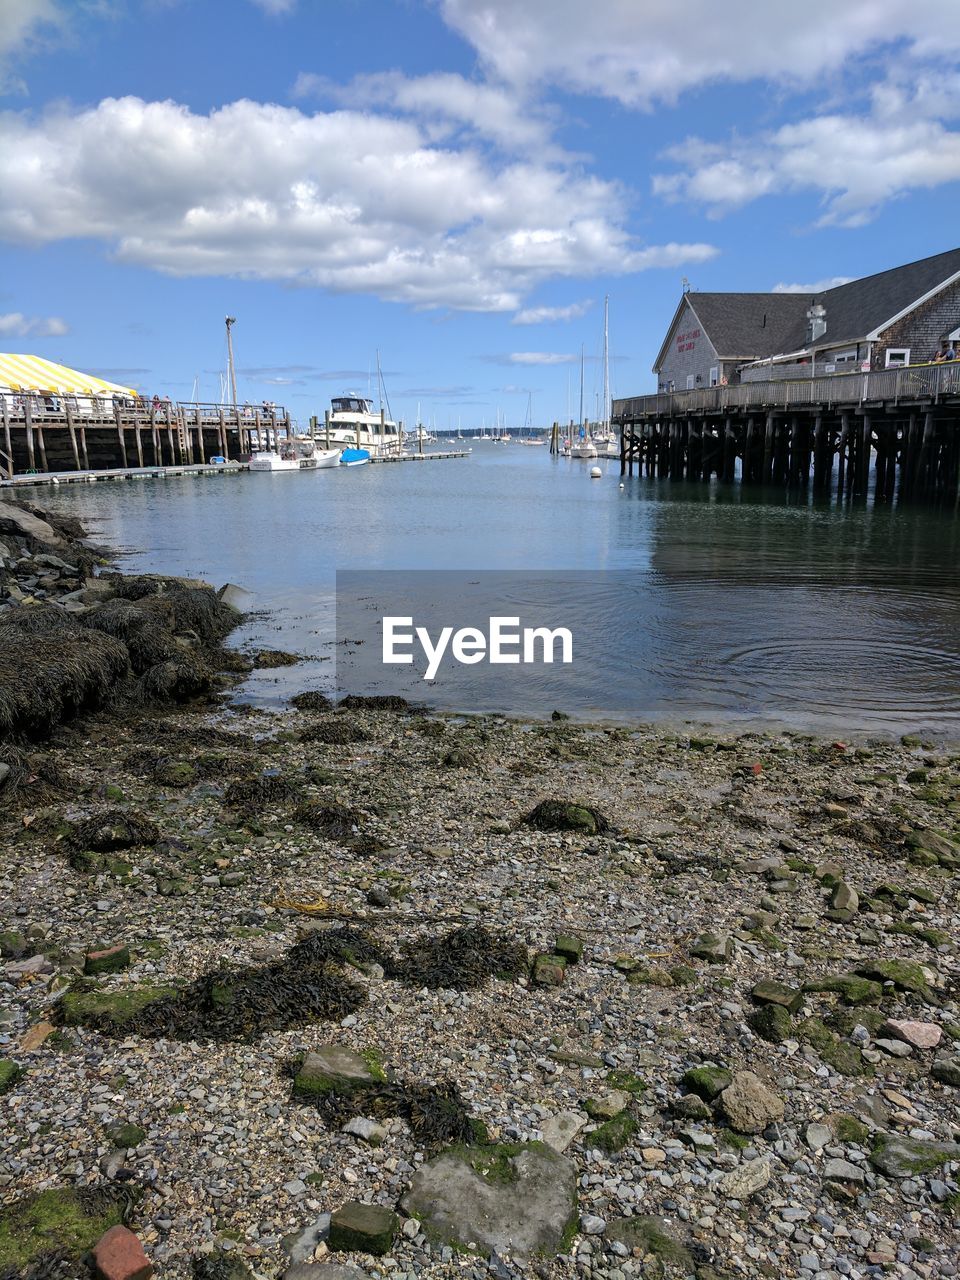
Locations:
(900, 426)
(59, 434)
(437, 456)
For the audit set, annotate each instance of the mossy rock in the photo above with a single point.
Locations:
(13, 945)
(847, 1128)
(563, 815)
(683, 974)
(336, 1069)
(906, 975)
(175, 773)
(363, 1228)
(650, 976)
(113, 1009)
(627, 1081)
(10, 1073)
(853, 990)
(61, 1220)
(707, 1082)
(220, 1266)
(651, 1236)
(126, 1135)
(772, 1022)
(845, 1058)
(615, 1134)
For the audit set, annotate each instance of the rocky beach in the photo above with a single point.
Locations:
(351, 990)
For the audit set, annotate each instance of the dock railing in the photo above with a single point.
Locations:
(911, 383)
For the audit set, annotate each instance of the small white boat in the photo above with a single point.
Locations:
(584, 448)
(271, 460)
(327, 457)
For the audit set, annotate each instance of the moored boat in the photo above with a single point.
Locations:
(354, 457)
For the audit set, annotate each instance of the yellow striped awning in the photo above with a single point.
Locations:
(33, 373)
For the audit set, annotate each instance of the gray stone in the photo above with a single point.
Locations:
(844, 898)
(302, 1245)
(371, 1132)
(843, 1171)
(895, 1048)
(746, 1179)
(818, 1136)
(560, 1130)
(335, 1068)
(516, 1200)
(714, 947)
(900, 1157)
(236, 597)
(947, 1070)
(749, 1105)
(14, 519)
(592, 1225)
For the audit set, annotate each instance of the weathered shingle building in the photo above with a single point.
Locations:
(897, 317)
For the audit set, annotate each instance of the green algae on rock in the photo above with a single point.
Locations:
(59, 1223)
(565, 815)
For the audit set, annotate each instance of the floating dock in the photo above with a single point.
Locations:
(425, 457)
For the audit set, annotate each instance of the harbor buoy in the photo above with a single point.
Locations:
(595, 473)
(621, 484)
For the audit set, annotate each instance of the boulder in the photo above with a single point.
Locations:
(749, 1105)
(516, 1200)
(713, 947)
(901, 1157)
(362, 1228)
(947, 1070)
(921, 1035)
(118, 1255)
(334, 1068)
(746, 1179)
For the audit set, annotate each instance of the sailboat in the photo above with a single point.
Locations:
(582, 446)
(605, 438)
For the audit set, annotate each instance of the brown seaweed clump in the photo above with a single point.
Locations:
(375, 702)
(50, 675)
(461, 960)
(567, 815)
(268, 659)
(436, 1113)
(311, 700)
(112, 830)
(250, 795)
(240, 1005)
(335, 820)
(335, 732)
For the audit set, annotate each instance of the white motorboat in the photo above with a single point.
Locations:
(272, 460)
(353, 423)
(583, 448)
(327, 457)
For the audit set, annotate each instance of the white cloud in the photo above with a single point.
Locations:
(818, 286)
(445, 103)
(855, 163)
(16, 325)
(643, 53)
(348, 201)
(23, 25)
(540, 357)
(548, 315)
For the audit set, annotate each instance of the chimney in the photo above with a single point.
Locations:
(816, 322)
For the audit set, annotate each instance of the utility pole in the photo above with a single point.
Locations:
(230, 322)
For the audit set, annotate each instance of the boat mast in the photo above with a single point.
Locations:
(606, 362)
(230, 322)
(582, 428)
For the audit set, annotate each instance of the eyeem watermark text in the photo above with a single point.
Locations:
(502, 644)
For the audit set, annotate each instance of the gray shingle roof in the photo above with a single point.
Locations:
(757, 325)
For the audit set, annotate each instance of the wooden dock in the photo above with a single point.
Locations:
(121, 473)
(903, 425)
(59, 434)
(440, 456)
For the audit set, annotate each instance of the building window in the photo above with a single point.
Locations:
(845, 357)
(897, 357)
(689, 381)
(714, 376)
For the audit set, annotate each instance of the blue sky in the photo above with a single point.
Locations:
(455, 182)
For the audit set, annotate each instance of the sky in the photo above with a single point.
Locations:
(455, 184)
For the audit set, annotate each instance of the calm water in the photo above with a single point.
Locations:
(744, 608)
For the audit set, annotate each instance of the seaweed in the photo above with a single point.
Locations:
(311, 700)
(436, 1113)
(335, 733)
(147, 640)
(268, 659)
(335, 820)
(41, 619)
(567, 815)
(177, 680)
(48, 677)
(111, 830)
(462, 959)
(374, 702)
(249, 795)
